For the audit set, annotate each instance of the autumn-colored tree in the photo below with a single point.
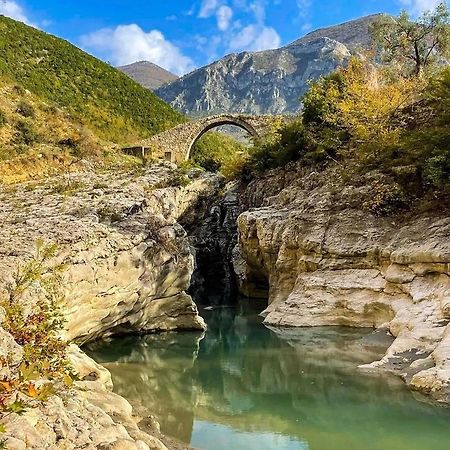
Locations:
(415, 45)
(358, 101)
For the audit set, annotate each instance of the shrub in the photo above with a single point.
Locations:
(81, 147)
(26, 134)
(385, 199)
(3, 119)
(218, 152)
(25, 109)
(437, 170)
(37, 330)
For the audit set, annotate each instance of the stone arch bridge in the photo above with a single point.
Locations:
(176, 143)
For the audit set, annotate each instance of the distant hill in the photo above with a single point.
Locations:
(267, 82)
(148, 74)
(90, 91)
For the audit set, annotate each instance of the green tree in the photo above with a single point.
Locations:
(415, 45)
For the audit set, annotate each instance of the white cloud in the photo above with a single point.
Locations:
(254, 38)
(257, 36)
(126, 44)
(235, 35)
(14, 10)
(304, 7)
(208, 8)
(417, 7)
(224, 15)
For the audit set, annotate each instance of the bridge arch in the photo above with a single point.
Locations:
(214, 122)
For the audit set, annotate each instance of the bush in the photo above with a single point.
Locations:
(3, 119)
(81, 147)
(216, 152)
(37, 330)
(26, 134)
(385, 199)
(25, 109)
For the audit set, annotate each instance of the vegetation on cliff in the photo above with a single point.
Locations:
(30, 313)
(371, 119)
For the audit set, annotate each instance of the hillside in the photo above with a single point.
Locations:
(91, 92)
(267, 82)
(148, 74)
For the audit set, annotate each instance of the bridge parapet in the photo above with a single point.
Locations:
(176, 144)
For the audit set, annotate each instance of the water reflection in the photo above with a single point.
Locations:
(243, 386)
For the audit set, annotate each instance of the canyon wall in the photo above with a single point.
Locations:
(323, 259)
(127, 265)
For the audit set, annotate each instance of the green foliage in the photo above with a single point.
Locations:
(26, 134)
(290, 143)
(92, 92)
(25, 109)
(37, 331)
(217, 152)
(365, 120)
(414, 45)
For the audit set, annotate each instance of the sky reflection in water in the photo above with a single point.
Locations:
(246, 387)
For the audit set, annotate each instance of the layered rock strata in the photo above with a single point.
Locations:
(128, 260)
(128, 266)
(325, 260)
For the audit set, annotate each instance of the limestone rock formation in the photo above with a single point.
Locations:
(324, 260)
(128, 265)
(267, 82)
(128, 260)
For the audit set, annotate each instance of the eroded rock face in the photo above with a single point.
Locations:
(128, 260)
(326, 261)
(128, 265)
(270, 81)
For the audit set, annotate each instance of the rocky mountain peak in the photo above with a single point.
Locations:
(267, 82)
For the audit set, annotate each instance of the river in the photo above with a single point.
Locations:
(243, 386)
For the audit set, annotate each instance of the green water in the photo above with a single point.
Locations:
(243, 386)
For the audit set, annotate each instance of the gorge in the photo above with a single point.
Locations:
(164, 286)
(129, 265)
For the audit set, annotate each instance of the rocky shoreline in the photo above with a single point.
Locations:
(304, 243)
(128, 266)
(324, 260)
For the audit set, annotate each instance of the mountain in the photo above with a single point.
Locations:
(267, 82)
(148, 74)
(89, 91)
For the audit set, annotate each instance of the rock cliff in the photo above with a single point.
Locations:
(267, 82)
(324, 260)
(128, 266)
(128, 260)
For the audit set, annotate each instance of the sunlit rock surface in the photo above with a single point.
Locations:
(326, 261)
(128, 260)
(128, 264)
(270, 81)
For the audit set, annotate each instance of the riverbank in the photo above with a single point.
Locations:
(126, 265)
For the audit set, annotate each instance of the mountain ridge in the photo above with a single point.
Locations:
(268, 81)
(91, 91)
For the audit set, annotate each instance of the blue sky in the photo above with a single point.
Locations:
(181, 35)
